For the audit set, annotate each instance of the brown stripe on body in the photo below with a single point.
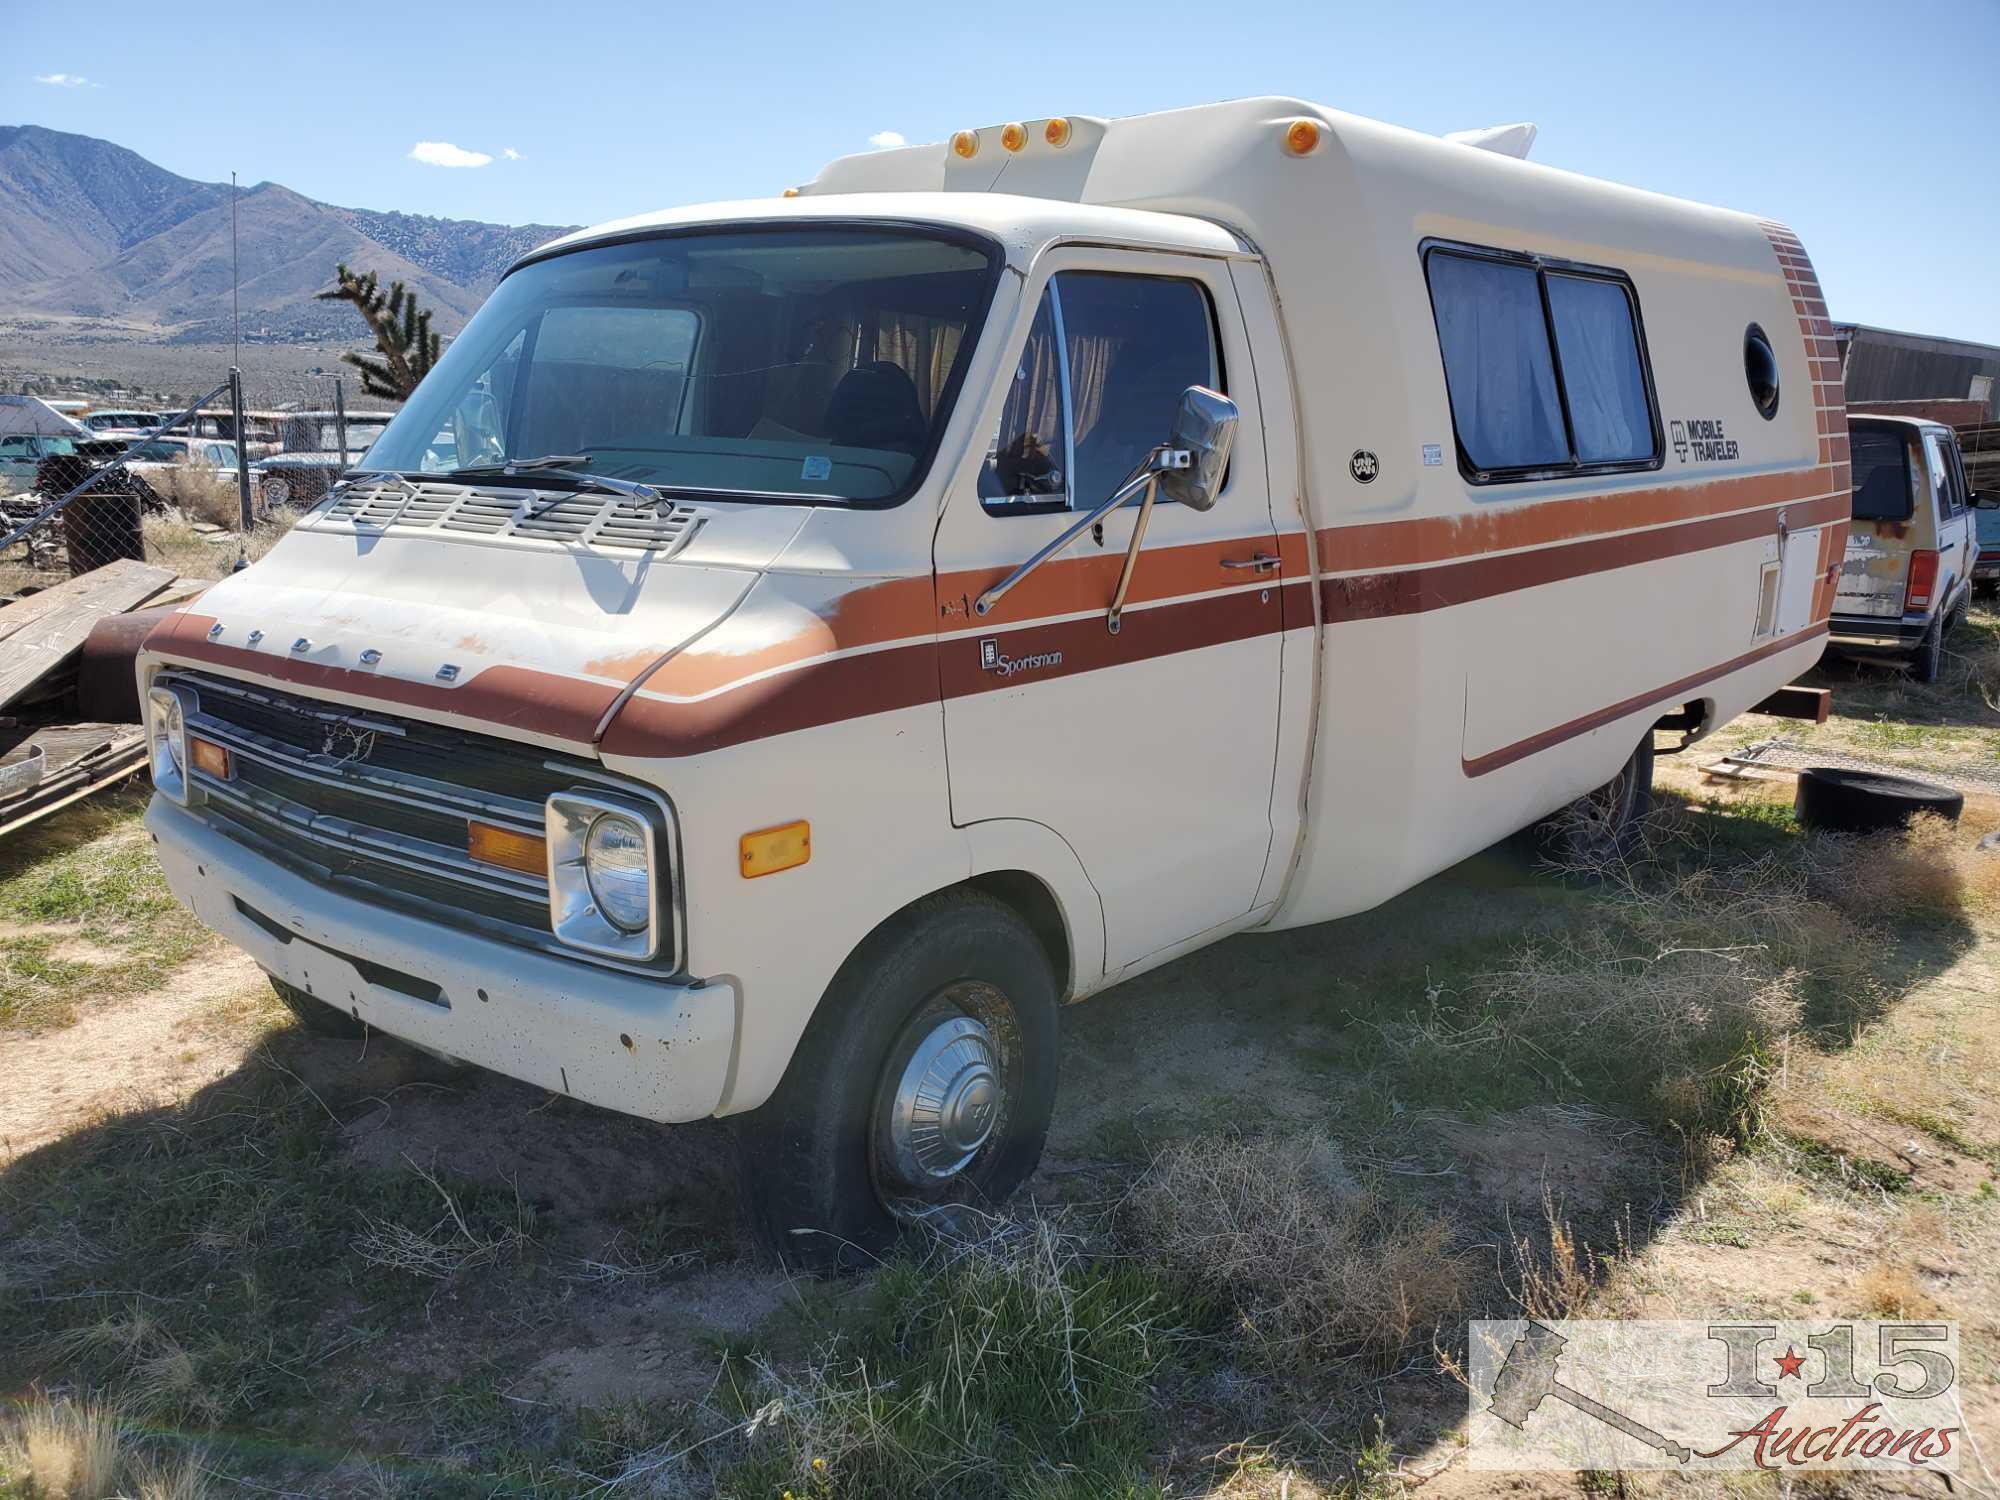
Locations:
(1372, 596)
(1507, 755)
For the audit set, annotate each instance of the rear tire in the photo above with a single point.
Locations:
(1929, 658)
(1603, 827)
(1842, 801)
(317, 1016)
(830, 1169)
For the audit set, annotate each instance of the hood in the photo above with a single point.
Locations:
(537, 628)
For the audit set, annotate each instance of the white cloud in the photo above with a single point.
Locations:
(62, 80)
(882, 140)
(511, 154)
(444, 154)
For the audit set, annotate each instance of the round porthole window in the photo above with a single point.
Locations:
(1760, 368)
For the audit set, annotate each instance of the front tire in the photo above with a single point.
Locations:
(922, 1089)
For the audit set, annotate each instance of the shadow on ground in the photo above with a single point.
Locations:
(342, 1249)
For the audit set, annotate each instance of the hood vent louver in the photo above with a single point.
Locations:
(559, 518)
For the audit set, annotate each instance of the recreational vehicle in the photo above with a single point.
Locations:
(787, 648)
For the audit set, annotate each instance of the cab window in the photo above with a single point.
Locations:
(1097, 388)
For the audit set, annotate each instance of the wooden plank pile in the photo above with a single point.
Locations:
(48, 758)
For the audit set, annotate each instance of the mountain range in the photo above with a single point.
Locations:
(92, 230)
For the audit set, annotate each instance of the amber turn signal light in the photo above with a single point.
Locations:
(770, 850)
(508, 848)
(211, 759)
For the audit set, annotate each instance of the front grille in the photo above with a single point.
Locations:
(377, 806)
(557, 518)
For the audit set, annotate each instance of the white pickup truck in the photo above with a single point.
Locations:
(787, 648)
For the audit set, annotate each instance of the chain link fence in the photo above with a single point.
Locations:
(199, 482)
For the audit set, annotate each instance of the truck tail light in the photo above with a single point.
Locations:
(1923, 580)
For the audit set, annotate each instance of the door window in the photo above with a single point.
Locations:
(1096, 389)
(1027, 468)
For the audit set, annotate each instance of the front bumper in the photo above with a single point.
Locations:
(655, 1048)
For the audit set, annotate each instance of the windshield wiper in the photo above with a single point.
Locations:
(567, 466)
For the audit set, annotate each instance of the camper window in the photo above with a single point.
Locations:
(1544, 364)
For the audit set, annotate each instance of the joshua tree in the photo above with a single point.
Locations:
(402, 334)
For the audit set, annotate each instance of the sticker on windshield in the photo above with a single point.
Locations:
(816, 466)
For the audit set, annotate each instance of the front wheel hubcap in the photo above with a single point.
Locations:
(945, 1104)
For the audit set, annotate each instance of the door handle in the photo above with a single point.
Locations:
(1262, 562)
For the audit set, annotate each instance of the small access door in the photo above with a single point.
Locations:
(1151, 750)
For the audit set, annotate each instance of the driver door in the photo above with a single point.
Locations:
(1150, 750)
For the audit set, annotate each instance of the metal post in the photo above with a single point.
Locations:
(340, 418)
(242, 470)
(235, 280)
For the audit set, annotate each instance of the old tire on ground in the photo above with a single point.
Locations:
(1843, 801)
(1928, 660)
(1602, 826)
(317, 1016)
(921, 1091)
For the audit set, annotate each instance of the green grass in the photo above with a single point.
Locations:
(85, 914)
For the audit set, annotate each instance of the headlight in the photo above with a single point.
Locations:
(619, 870)
(166, 734)
(606, 875)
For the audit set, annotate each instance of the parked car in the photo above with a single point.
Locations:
(1986, 526)
(848, 629)
(1907, 573)
(120, 423)
(196, 473)
(299, 478)
(22, 452)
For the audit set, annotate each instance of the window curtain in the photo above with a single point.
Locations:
(1600, 363)
(1498, 369)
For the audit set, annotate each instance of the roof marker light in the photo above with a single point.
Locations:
(1056, 132)
(966, 144)
(791, 192)
(1302, 137)
(1013, 136)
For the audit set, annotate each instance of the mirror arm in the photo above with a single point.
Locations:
(1160, 458)
(1132, 553)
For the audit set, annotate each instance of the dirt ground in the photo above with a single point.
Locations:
(1866, 1186)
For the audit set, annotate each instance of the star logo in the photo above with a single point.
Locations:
(1789, 1363)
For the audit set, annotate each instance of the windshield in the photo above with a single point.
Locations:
(782, 363)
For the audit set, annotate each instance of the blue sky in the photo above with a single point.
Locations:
(1861, 125)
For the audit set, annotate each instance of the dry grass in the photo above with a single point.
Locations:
(444, 1249)
(1890, 1291)
(1316, 1268)
(1930, 871)
(71, 1450)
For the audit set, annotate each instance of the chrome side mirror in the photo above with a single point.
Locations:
(1205, 430)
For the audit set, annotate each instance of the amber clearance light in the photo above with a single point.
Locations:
(508, 848)
(1013, 135)
(1302, 137)
(1056, 132)
(966, 144)
(770, 850)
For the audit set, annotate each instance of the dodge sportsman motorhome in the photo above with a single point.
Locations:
(786, 649)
